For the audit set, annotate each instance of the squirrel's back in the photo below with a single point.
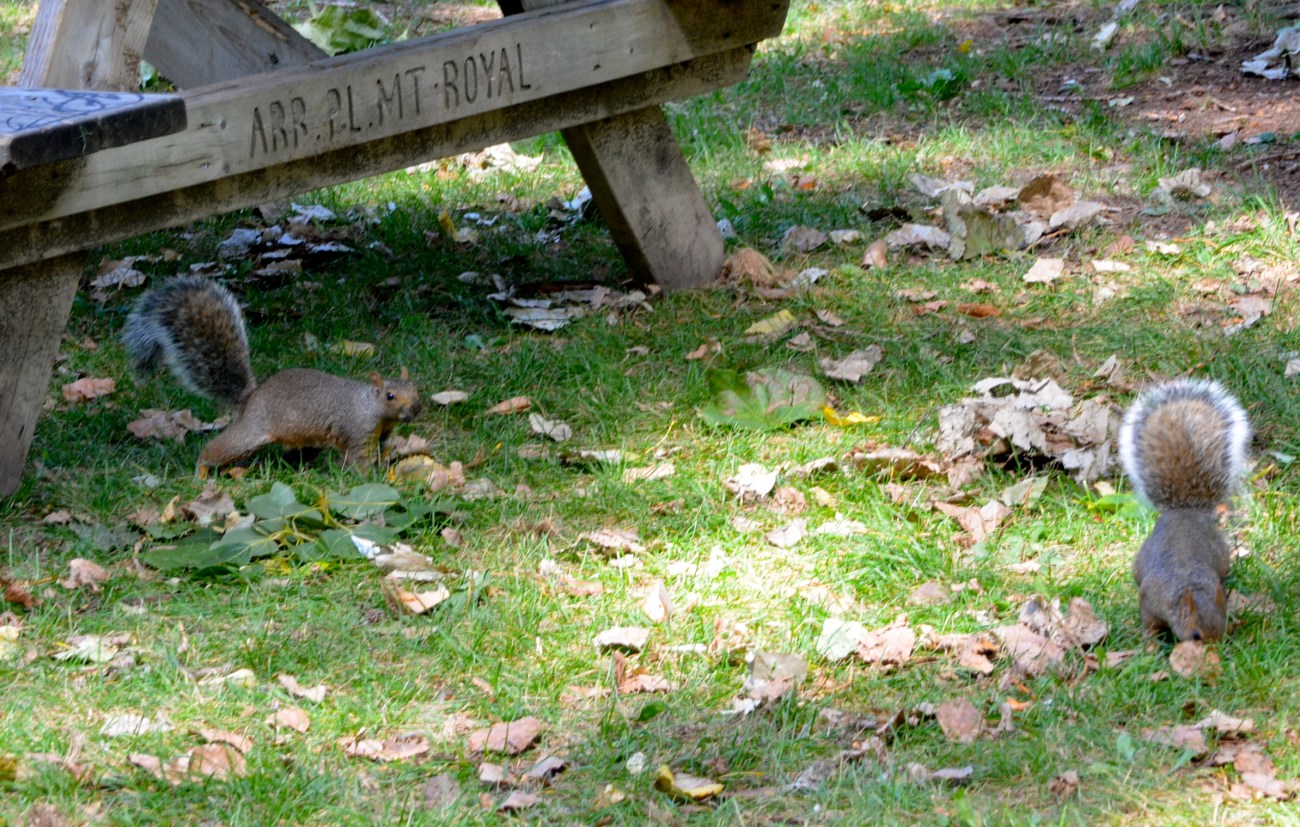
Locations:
(195, 327)
(1183, 444)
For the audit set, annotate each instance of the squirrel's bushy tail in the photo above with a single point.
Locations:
(1183, 444)
(195, 327)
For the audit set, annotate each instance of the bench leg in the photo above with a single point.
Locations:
(35, 300)
(648, 198)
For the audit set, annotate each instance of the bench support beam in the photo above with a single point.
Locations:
(74, 45)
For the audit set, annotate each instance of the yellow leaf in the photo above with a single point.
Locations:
(348, 347)
(965, 46)
(686, 786)
(851, 418)
(776, 323)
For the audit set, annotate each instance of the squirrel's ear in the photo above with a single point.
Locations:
(405, 374)
(376, 380)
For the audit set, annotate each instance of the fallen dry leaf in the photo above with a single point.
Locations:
(449, 397)
(88, 388)
(518, 800)
(749, 265)
(1191, 658)
(686, 787)
(289, 717)
(615, 539)
(440, 791)
(751, 482)
(625, 638)
(394, 748)
(513, 405)
(657, 605)
(1045, 271)
(877, 254)
(82, 572)
(511, 737)
(1044, 196)
(1183, 736)
(411, 602)
(854, 366)
(291, 685)
(551, 428)
(789, 535)
(658, 471)
(960, 720)
(1064, 785)
(210, 506)
(243, 743)
(888, 646)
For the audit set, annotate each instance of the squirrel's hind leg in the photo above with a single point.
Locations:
(232, 445)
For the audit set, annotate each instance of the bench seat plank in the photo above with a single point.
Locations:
(40, 126)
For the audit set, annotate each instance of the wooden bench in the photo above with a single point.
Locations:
(263, 114)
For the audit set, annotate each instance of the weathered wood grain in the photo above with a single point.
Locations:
(649, 199)
(279, 117)
(73, 45)
(85, 44)
(196, 42)
(31, 242)
(40, 126)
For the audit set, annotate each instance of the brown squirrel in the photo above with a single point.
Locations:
(1183, 445)
(196, 327)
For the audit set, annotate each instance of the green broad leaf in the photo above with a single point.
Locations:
(243, 545)
(763, 400)
(198, 552)
(282, 502)
(336, 543)
(409, 515)
(364, 500)
(338, 29)
(168, 532)
(102, 537)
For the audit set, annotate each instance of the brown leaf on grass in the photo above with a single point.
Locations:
(88, 388)
(82, 572)
(1045, 271)
(710, 348)
(854, 366)
(888, 646)
(546, 768)
(393, 748)
(977, 310)
(297, 690)
(975, 652)
(1225, 724)
(289, 717)
(60, 517)
(513, 405)
(615, 539)
(930, 593)
(877, 255)
(210, 506)
(1045, 195)
(579, 588)
(977, 521)
(686, 787)
(1064, 785)
(1183, 736)
(17, 594)
(623, 638)
(899, 463)
(1032, 652)
(1191, 659)
(401, 600)
(802, 239)
(960, 720)
(751, 482)
(511, 737)
(789, 535)
(638, 680)
(657, 604)
(156, 423)
(494, 775)
(658, 471)
(216, 761)
(518, 800)
(243, 743)
(440, 791)
(449, 397)
(750, 265)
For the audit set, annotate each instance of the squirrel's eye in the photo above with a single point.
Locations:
(391, 396)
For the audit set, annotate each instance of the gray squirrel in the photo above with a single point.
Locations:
(1183, 445)
(196, 328)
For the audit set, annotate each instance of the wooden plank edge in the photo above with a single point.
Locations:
(157, 116)
(21, 245)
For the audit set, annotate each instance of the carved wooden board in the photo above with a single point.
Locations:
(293, 114)
(40, 126)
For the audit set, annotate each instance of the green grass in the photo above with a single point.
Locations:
(848, 87)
